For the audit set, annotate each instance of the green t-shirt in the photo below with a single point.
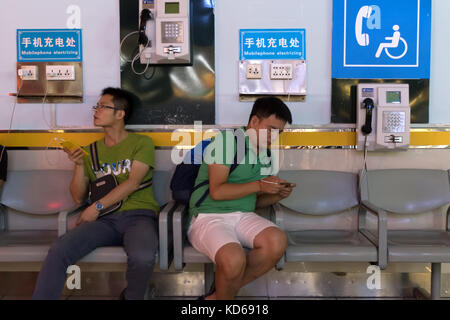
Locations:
(118, 159)
(248, 170)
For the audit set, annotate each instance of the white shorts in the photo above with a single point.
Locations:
(209, 232)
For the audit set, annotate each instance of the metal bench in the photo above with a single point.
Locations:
(36, 208)
(415, 203)
(320, 219)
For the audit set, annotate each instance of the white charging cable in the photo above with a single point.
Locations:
(12, 118)
(43, 107)
(364, 169)
(122, 42)
(137, 56)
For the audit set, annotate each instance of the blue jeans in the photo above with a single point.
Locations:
(136, 230)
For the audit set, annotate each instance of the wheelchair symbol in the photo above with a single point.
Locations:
(395, 41)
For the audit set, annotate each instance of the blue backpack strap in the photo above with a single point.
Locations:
(201, 184)
(235, 160)
(199, 202)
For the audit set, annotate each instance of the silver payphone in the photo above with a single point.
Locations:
(164, 32)
(383, 117)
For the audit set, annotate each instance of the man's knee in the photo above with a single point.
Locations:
(273, 241)
(231, 260)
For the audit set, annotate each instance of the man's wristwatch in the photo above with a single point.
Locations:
(99, 206)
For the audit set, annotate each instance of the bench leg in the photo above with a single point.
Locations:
(209, 276)
(435, 281)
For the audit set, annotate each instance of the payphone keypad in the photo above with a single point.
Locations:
(172, 32)
(394, 122)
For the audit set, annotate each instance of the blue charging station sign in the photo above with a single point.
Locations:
(266, 44)
(35, 45)
(381, 39)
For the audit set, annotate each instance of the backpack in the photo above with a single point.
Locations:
(183, 179)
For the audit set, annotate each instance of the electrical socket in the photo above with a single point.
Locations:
(254, 71)
(61, 73)
(280, 71)
(28, 72)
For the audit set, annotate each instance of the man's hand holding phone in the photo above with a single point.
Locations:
(270, 185)
(286, 189)
(275, 185)
(75, 152)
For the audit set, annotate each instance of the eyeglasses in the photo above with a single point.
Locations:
(100, 107)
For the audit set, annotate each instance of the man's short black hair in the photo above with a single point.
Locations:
(122, 99)
(267, 106)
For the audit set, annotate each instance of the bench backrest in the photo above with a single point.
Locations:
(406, 191)
(38, 191)
(416, 199)
(322, 200)
(321, 192)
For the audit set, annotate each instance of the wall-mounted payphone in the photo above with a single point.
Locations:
(383, 116)
(164, 32)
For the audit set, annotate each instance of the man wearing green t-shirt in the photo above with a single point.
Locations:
(130, 158)
(233, 180)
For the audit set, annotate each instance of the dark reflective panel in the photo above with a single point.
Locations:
(343, 108)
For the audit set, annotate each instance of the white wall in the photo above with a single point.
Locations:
(315, 16)
(440, 63)
(100, 24)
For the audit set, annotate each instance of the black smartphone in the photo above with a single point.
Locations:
(286, 184)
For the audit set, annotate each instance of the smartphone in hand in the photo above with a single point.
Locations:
(286, 184)
(69, 145)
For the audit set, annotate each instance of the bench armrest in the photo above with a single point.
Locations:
(63, 221)
(166, 235)
(379, 240)
(180, 216)
(279, 221)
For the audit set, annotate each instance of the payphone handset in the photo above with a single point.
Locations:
(166, 25)
(383, 116)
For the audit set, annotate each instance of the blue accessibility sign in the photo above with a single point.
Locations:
(263, 44)
(34, 45)
(381, 39)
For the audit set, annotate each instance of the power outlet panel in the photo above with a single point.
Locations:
(280, 71)
(51, 82)
(254, 71)
(28, 73)
(285, 78)
(60, 73)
